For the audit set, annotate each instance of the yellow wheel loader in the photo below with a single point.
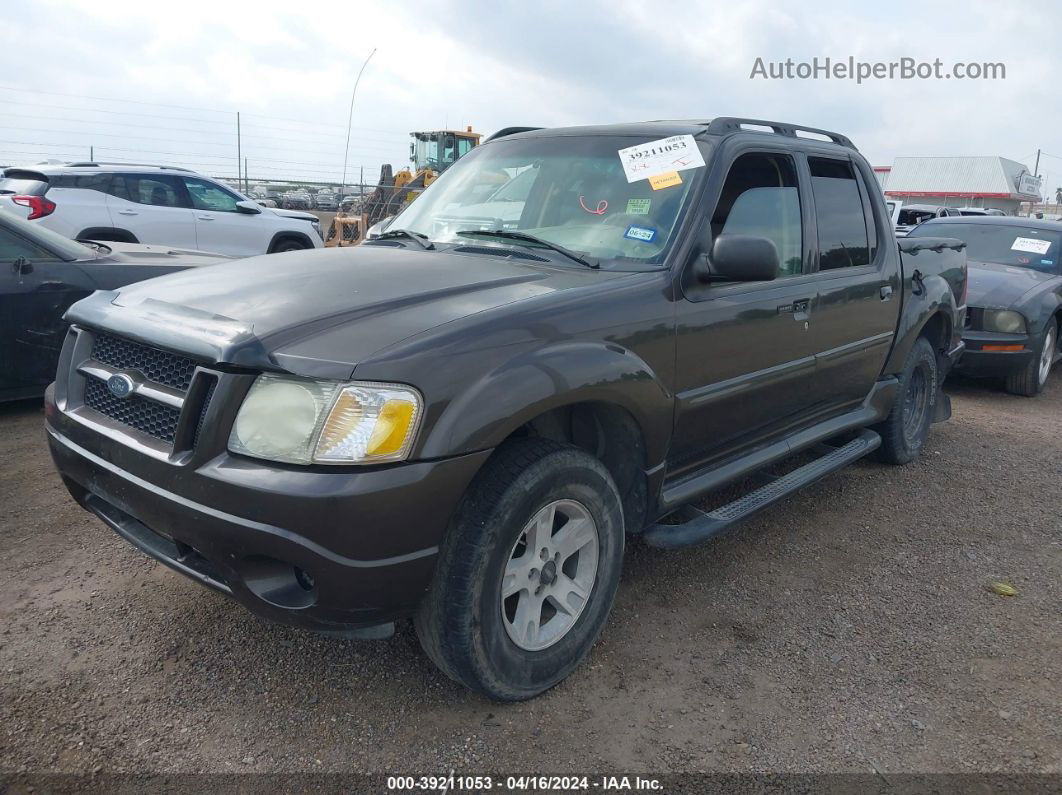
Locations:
(431, 153)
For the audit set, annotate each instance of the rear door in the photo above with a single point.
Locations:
(220, 225)
(855, 278)
(153, 207)
(36, 288)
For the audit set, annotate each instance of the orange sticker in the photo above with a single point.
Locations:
(665, 180)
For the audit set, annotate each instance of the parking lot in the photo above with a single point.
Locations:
(850, 628)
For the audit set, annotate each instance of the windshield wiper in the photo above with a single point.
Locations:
(506, 234)
(418, 238)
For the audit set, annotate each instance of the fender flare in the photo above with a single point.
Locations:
(484, 413)
(921, 304)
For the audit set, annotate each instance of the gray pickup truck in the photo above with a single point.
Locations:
(462, 420)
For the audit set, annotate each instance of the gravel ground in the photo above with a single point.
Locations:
(848, 629)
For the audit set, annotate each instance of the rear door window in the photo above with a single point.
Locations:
(159, 190)
(842, 224)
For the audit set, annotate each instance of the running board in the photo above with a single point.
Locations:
(703, 525)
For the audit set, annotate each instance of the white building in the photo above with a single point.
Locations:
(960, 182)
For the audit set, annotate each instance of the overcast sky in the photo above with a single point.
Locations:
(162, 81)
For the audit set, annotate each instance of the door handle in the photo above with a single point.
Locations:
(128, 212)
(885, 293)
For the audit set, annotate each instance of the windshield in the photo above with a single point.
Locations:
(571, 191)
(1020, 246)
(66, 248)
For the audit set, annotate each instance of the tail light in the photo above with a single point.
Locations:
(39, 206)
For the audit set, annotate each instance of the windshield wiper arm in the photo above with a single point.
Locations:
(507, 234)
(418, 238)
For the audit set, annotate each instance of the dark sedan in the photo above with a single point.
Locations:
(42, 273)
(1015, 296)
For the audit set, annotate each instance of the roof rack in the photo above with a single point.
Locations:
(511, 131)
(731, 124)
(93, 163)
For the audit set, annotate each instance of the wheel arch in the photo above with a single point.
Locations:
(591, 394)
(111, 233)
(280, 237)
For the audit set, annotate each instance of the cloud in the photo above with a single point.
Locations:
(289, 68)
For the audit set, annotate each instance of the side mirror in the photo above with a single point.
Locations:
(741, 258)
(248, 207)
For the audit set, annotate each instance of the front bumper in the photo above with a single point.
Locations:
(326, 549)
(978, 362)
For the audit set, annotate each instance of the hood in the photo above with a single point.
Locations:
(168, 255)
(318, 312)
(995, 286)
(291, 214)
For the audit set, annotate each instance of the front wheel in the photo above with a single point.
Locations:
(528, 571)
(905, 430)
(1029, 382)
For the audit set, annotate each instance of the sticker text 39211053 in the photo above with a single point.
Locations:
(663, 156)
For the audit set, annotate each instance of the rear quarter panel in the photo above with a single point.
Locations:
(934, 274)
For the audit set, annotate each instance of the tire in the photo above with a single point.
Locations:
(904, 431)
(288, 244)
(466, 625)
(1029, 382)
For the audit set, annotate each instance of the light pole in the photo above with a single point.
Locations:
(350, 118)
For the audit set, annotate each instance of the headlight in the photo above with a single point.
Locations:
(1004, 320)
(299, 421)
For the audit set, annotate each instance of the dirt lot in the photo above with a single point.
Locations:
(848, 629)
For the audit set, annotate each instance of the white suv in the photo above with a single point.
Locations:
(152, 204)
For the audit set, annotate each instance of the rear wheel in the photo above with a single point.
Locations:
(1032, 378)
(904, 432)
(528, 571)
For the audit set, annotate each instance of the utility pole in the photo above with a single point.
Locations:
(350, 116)
(239, 146)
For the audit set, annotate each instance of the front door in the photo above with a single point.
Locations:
(745, 354)
(220, 226)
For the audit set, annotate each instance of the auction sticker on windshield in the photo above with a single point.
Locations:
(663, 156)
(1031, 244)
(642, 233)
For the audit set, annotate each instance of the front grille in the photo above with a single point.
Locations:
(147, 416)
(156, 365)
(203, 411)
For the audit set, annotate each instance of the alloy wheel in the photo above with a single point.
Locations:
(549, 575)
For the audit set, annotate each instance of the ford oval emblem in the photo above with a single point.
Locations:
(121, 385)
